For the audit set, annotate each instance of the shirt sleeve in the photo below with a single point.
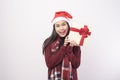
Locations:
(52, 59)
(74, 55)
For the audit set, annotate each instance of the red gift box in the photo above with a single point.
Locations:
(79, 34)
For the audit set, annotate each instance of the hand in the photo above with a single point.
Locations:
(73, 43)
(66, 41)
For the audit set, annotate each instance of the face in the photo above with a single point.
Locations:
(61, 28)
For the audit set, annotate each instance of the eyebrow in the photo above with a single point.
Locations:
(64, 22)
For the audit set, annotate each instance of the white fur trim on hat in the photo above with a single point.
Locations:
(61, 18)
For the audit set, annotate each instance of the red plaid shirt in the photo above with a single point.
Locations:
(54, 58)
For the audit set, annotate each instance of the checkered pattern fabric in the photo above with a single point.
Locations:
(66, 69)
(55, 75)
(65, 74)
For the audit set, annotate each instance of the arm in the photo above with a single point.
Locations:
(52, 59)
(74, 55)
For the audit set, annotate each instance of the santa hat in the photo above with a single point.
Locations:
(62, 15)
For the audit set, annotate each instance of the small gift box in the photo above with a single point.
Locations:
(79, 33)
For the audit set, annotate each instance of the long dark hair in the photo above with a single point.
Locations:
(53, 37)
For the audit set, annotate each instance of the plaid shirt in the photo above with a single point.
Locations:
(64, 74)
(58, 68)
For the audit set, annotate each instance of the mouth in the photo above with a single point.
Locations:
(63, 32)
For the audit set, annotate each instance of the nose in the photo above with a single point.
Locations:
(61, 27)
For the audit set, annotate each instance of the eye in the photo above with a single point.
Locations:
(64, 24)
(57, 25)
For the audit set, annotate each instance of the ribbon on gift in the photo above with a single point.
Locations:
(82, 31)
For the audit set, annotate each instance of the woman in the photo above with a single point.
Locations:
(62, 56)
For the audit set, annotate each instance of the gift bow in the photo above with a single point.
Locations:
(82, 31)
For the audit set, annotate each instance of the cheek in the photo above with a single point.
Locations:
(57, 29)
(66, 28)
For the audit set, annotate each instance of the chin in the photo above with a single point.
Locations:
(62, 35)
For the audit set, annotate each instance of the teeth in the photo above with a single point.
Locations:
(61, 32)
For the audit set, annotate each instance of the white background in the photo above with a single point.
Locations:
(24, 24)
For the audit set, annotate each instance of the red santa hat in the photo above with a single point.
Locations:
(62, 15)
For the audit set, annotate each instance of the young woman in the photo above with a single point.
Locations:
(62, 56)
